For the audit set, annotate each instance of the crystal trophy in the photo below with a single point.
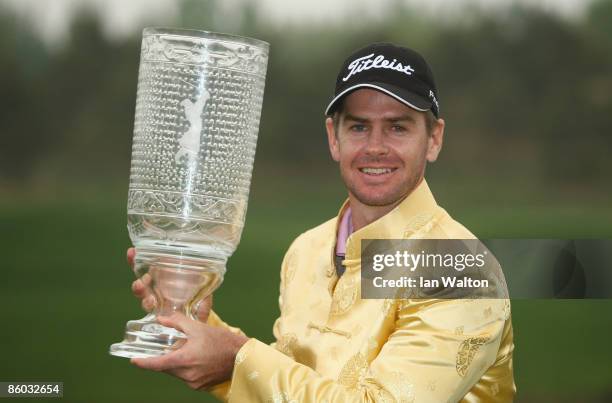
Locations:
(198, 106)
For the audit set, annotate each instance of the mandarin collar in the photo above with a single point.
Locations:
(419, 206)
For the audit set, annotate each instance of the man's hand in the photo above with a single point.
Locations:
(142, 289)
(206, 358)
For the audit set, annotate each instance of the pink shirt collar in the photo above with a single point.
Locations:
(345, 229)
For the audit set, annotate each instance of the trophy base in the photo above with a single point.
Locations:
(146, 338)
(178, 284)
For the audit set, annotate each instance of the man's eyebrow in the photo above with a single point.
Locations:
(392, 119)
(402, 118)
(348, 116)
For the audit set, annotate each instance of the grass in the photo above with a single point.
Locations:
(65, 293)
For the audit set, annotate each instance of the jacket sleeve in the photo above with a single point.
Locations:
(221, 391)
(437, 353)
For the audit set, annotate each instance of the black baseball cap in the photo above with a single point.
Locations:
(397, 71)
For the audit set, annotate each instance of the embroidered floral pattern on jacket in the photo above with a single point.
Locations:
(344, 297)
(467, 350)
(286, 344)
(354, 371)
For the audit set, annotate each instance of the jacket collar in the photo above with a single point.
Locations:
(413, 212)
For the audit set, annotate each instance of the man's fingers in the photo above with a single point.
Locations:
(142, 287)
(148, 303)
(139, 289)
(162, 363)
(177, 321)
(131, 252)
(146, 279)
(204, 308)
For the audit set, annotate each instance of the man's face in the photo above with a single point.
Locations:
(382, 147)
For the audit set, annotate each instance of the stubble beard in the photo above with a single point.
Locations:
(379, 200)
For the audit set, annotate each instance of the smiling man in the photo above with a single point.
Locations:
(383, 127)
(382, 147)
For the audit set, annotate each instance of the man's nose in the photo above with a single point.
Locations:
(377, 142)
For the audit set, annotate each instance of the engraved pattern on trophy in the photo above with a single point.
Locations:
(190, 140)
(195, 133)
(214, 53)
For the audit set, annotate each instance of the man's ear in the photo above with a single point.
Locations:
(332, 139)
(434, 144)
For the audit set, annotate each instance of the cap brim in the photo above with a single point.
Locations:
(410, 99)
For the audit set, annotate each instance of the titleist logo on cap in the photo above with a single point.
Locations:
(433, 98)
(376, 62)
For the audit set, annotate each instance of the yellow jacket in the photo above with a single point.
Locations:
(333, 346)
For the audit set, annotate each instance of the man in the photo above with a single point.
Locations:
(383, 126)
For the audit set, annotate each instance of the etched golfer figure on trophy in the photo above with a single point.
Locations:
(198, 106)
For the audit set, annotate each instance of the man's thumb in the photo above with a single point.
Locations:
(202, 309)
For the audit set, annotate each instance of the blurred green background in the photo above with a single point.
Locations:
(527, 96)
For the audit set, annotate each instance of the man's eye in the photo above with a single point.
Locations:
(398, 128)
(358, 128)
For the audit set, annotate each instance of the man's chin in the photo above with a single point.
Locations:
(378, 200)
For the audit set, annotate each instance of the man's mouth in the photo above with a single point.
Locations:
(376, 171)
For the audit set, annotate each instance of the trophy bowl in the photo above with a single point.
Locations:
(198, 107)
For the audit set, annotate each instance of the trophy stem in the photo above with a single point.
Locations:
(178, 283)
